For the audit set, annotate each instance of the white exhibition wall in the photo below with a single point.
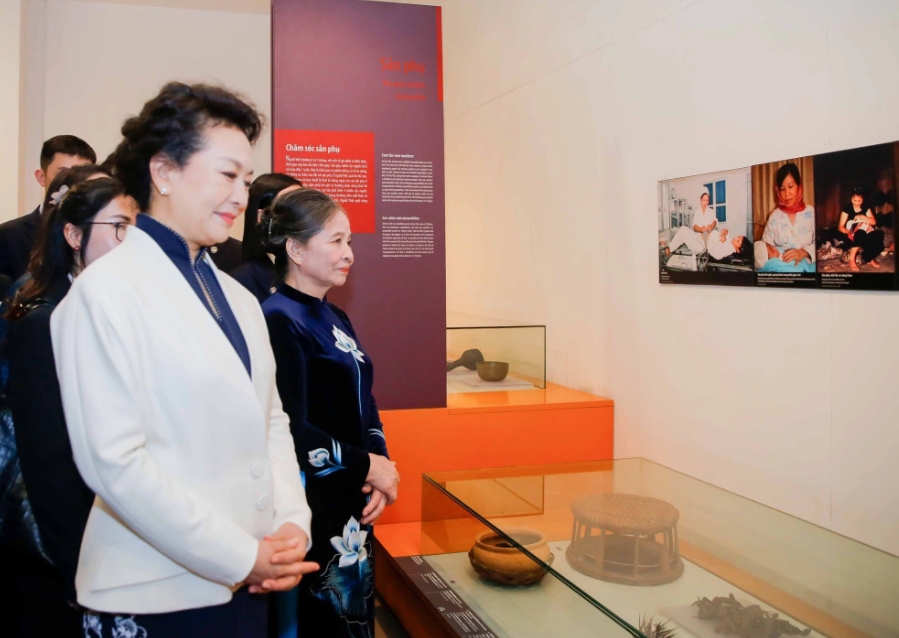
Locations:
(92, 64)
(561, 119)
(10, 78)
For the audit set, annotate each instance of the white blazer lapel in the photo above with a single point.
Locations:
(252, 325)
(187, 299)
(248, 327)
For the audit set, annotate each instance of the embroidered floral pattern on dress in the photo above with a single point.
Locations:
(93, 626)
(123, 627)
(345, 343)
(347, 582)
(320, 458)
(352, 545)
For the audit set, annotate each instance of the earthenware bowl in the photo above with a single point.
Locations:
(496, 559)
(493, 370)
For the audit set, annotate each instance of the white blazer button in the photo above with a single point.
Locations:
(214, 249)
(262, 503)
(258, 470)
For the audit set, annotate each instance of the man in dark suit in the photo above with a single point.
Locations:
(17, 236)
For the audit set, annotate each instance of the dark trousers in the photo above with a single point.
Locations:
(34, 602)
(246, 616)
(871, 243)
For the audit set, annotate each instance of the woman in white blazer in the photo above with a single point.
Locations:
(168, 386)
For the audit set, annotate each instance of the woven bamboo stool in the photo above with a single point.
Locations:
(625, 538)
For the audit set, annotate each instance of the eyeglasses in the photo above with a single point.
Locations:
(120, 228)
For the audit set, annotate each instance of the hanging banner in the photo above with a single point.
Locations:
(822, 221)
(357, 109)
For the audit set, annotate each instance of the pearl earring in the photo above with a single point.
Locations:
(164, 191)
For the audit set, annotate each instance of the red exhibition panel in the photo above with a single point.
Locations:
(339, 163)
(357, 112)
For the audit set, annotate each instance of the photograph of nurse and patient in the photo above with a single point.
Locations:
(704, 224)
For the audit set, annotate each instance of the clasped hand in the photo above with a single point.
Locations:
(279, 561)
(791, 255)
(382, 483)
(795, 255)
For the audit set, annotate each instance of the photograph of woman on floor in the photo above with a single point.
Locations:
(788, 243)
(854, 200)
(858, 224)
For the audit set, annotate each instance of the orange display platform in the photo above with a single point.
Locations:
(475, 431)
(494, 429)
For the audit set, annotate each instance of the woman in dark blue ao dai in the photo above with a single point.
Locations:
(325, 381)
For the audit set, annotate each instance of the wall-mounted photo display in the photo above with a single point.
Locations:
(820, 221)
(855, 193)
(705, 229)
(783, 223)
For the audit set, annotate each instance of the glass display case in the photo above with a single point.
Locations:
(489, 355)
(629, 544)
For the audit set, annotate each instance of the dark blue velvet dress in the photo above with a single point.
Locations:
(325, 380)
(257, 276)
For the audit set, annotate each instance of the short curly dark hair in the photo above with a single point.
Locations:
(173, 123)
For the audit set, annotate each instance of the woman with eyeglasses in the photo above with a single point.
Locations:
(86, 215)
(168, 383)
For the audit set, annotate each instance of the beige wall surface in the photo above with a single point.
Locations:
(10, 77)
(95, 63)
(561, 119)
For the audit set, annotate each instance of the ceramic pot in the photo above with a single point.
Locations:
(495, 558)
(493, 370)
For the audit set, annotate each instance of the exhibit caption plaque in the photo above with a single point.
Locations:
(454, 611)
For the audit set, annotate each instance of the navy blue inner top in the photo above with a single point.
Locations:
(200, 276)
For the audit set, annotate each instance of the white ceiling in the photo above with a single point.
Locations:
(241, 6)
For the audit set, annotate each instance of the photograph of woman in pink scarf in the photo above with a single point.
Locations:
(788, 243)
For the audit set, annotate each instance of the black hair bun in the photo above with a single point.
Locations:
(267, 231)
